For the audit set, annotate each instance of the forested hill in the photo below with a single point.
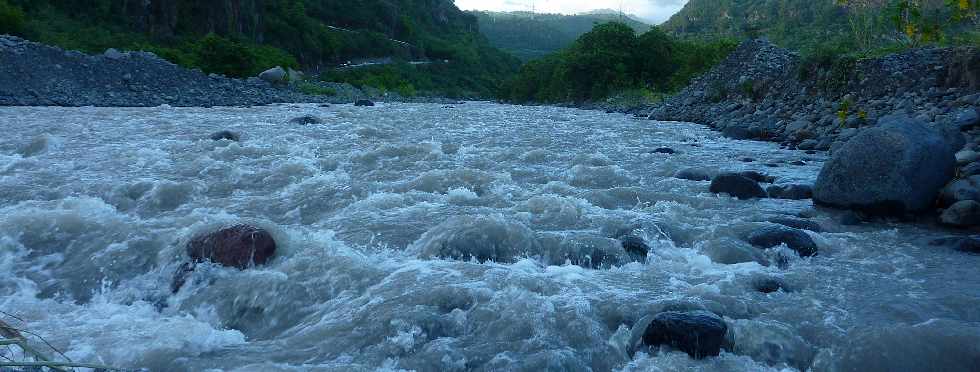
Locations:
(802, 24)
(529, 36)
(243, 37)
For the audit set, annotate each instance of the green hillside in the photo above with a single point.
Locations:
(529, 36)
(244, 37)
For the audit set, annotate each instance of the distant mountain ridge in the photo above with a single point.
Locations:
(529, 35)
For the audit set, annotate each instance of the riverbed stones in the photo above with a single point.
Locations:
(693, 174)
(700, 334)
(960, 190)
(775, 235)
(240, 246)
(737, 186)
(892, 169)
(790, 192)
(964, 213)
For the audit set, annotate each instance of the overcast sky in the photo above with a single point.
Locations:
(654, 11)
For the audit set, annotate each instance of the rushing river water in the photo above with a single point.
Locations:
(96, 205)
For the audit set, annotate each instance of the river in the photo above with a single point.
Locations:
(96, 205)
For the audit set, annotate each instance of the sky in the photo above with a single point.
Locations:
(653, 11)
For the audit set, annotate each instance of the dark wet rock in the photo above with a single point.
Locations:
(790, 192)
(768, 284)
(966, 118)
(305, 120)
(758, 176)
(971, 169)
(183, 272)
(225, 135)
(664, 150)
(959, 243)
(797, 223)
(746, 160)
(811, 152)
(693, 174)
(239, 246)
(964, 213)
(772, 165)
(851, 219)
(737, 186)
(795, 239)
(635, 247)
(700, 334)
(798, 163)
(363, 103)
(897, 167)
(739, 132)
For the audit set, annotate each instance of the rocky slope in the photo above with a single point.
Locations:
(33, 74)
(765, 92)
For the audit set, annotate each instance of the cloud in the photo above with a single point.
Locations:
(654, 11)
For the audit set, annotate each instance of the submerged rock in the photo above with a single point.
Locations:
(700, 334)
(482, 239)
(797, 223)
(363, 102)
(239, 246)
(737, 186)
(306, 120)
(693, 174)
(665, 150)
(768, 284)
(795, 239)
(790, 192)
(225, 135)
(894, 168)
(959, 243)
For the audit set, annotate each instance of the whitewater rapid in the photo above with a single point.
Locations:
(96, 205)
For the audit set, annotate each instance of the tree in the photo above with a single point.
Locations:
(11, 19)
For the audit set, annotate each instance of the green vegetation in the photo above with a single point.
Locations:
(858, 25)
(612, 59)
(244, 37)
(529, 36)
(11, 19)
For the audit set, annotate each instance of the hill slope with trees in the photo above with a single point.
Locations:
(529, 35)
(243, 37)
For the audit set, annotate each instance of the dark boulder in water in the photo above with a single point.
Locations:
(737, 186)
(635, 247)
(364, 103)
(795, 239)
(306, 120)
(239, 246)
(768, 284)
(665, 150)
(225, 135)
(700, 334)
(892, 169)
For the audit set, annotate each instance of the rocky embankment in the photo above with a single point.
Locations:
(900, 128)
(33, 74)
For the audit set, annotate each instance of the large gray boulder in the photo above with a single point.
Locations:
(275, 75)
(897, 167)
